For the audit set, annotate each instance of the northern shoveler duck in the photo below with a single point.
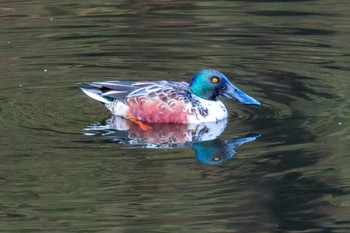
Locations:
(170, 102)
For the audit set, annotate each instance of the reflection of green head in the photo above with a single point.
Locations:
(212, 152)
(217, 151)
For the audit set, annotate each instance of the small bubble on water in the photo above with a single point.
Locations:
(45, 70)
(340, 123)
(51, 19)
(8, 42)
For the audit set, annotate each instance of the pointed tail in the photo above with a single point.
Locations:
(96, 94)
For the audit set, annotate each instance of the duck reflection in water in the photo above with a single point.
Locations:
(201, 137)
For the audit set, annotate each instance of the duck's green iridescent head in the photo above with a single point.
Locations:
(209, 84)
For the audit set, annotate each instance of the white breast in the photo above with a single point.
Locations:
(216, 111)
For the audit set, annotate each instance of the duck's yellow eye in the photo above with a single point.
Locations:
(215, 80)
(216, 158)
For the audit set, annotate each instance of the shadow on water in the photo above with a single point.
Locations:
(201, 137)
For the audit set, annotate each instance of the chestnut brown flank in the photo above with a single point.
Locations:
(156, 110)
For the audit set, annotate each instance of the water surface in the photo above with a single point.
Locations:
(293, 56)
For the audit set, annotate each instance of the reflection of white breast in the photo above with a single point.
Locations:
(205, 131)
(216, 111)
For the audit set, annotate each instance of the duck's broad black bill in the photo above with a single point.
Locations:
(234, 93)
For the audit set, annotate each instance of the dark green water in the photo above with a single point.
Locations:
(293, 56)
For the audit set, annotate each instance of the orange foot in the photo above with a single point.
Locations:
(142, 125)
